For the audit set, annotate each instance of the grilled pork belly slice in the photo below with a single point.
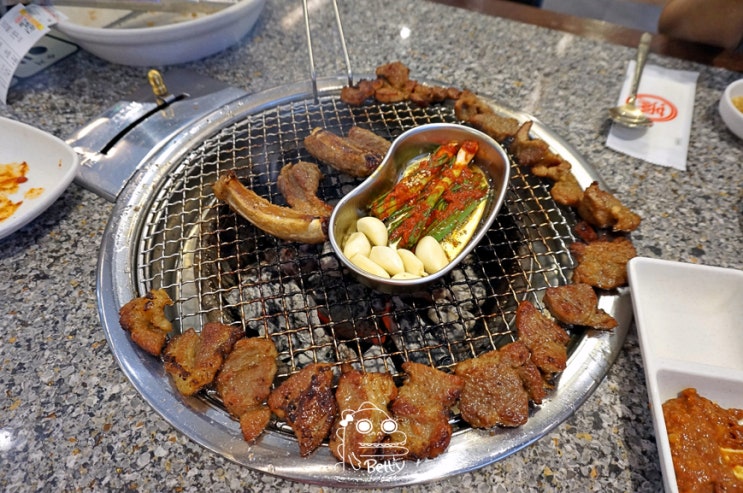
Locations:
(422, 410)
(368, 140)
(603, 210)
(244, 383)
(566, 190)
(363, 421)
(306, 402)
(544, 338)
(471, 109)
(144, 319)
(577, 304)
(192, 360)
(498, 386)
(282, 222)
(531, 152)
(603, 263)
(342, 153)
(298, 183)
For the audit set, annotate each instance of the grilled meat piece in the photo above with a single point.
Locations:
(244, 383)
(341, 153)
(363, 422)
(531, 152)
(577, 304)
(555, 171)
(306, 402)
(498, 386)
(253, 422)
(534, 382)
(283, 222)
(192, 360)
(496, 126)
(298, 183)
(546, 340)
(603, 210)
(424, 95)
(395, 74)
(356, 95)
(368, 140)
(469, 105)
(422, 410)
(603, 263)
(471, 109)
(392, 85)
(585, 232)
(567, 191)
(544, 163)
(144, 319)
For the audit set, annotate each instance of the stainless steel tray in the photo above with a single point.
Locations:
(167, 231)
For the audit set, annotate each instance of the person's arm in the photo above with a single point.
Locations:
(714, 22)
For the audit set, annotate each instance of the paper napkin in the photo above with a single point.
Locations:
(667, 97)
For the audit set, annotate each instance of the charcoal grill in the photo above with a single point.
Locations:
(168, 231)
(157, 159)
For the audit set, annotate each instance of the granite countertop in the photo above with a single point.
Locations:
(71, 421)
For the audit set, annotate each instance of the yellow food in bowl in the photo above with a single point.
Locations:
(738, 103)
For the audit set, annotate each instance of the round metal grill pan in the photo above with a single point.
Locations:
(168, 231)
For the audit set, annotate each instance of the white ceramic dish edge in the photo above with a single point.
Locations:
(732, 117)
(668, 372)
(52, 167)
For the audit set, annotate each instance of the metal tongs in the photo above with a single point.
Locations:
(344, 48)
(177, 6)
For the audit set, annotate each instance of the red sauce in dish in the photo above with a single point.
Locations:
(706, 443)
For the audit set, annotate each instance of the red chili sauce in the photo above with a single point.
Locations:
(703, 438)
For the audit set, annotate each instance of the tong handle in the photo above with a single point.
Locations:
(344, 48)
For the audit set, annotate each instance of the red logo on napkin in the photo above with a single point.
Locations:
(657, 108)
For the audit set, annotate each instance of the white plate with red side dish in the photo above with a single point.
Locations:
(52, 165)
(690, 325)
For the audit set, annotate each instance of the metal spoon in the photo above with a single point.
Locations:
(628, 114)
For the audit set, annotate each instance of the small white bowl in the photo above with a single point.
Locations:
(689, 325)
(731, 115)
(160, 39)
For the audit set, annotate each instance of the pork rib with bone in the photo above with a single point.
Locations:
(286, 223)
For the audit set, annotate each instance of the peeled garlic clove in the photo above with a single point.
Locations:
(367, 265)
(374, 229)
(388, 259)
(430, 252)
(357, 243)
(413, 264)
(405, 275)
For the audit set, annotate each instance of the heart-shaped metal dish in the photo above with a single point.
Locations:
(490, 158)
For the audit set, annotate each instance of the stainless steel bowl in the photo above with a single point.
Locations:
(491, 158)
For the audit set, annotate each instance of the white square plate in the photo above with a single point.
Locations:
(52, 165)
(690, 325)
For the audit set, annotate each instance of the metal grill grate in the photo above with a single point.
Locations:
(218, 267)
(168, 231)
